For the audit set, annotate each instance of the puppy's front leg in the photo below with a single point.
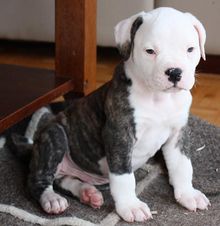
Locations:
(118, 146)
(128, 206)
(180, 171)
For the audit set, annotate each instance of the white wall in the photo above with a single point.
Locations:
(35, 19)
(27, 19)
(110, 12)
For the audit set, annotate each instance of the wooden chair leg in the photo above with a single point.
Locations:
(23, 90)
(75, 35)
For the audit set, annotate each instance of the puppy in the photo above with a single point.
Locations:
(107, 135)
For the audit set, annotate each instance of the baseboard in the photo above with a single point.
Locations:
(211, 65)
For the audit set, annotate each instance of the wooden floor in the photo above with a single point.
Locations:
(206, 93)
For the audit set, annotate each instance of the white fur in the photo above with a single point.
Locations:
(88, 194)
(52, 202)
(123, 28)
(128, 206)
(180, 176)
(169, 33)
(2, 142)
(32, 127)
(160, 109)
(103, 165)
(71, 184)
(156, 113)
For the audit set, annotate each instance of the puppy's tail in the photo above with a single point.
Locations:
(15, 142)
(20, 146)
(20, 143)
(19, 138)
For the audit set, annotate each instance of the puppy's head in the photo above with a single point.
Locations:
(162, 48)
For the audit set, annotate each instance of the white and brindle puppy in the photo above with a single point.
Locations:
(107, 135)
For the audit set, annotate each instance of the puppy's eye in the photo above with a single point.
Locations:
(150, 51)
(190, 49)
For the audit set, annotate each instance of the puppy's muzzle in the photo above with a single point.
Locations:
(174, 75)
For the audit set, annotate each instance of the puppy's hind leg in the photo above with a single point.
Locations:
(87, 194)
(49, 148)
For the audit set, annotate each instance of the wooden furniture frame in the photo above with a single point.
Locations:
(24, 90)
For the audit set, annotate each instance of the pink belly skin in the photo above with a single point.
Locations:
(69, 168)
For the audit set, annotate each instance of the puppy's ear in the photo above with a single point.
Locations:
(201, 32)
(125, 32)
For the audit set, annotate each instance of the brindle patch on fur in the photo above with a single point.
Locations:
(184, 141)
(119, 130)
(49, 147)
(98, 125)
(126, 49)
(102, 124)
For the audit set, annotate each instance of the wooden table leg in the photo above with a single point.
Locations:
(75, 36)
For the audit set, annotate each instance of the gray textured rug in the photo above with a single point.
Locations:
(152, 187)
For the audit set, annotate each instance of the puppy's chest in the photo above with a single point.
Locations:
(150, 136)
(154, 124)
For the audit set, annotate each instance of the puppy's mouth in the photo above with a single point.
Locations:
(174, 89)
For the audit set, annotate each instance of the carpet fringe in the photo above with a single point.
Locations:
(31, 218)
(111, 219)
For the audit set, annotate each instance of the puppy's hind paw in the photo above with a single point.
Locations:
(91, 196)
(52, 202)
(193, 200)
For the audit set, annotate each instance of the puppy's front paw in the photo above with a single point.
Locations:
(134, 211)
(193, 199)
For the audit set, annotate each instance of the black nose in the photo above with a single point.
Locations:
(174, 74)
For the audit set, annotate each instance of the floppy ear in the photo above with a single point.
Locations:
(125, 32)
(201, 32)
